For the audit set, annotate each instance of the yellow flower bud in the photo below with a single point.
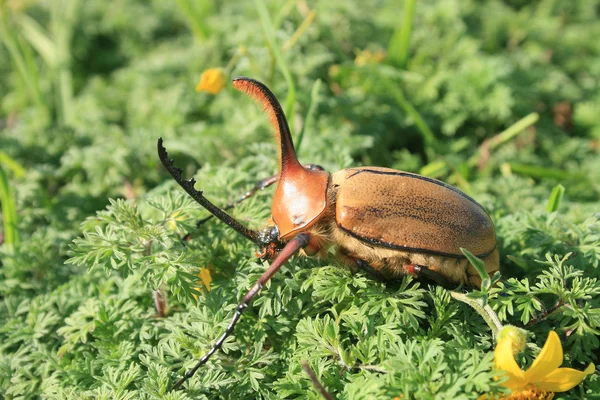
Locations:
(517, 337)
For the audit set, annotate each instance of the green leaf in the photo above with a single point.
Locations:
(477, 263)
(555, 198)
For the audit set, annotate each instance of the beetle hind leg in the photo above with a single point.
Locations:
(393, 267)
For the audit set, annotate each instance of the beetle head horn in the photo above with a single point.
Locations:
(301, 195)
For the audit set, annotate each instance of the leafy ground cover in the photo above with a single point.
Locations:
(500, 98)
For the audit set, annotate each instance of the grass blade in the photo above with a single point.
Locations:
(536, 171)
(16, 54)
(11, 164)
(195, 13)
(400, 42)
(428, 136)
(477, 263)
(9, 211)
(267, 25)
(312, 105)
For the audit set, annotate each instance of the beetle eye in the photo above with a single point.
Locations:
(315, 167)
(274, 233)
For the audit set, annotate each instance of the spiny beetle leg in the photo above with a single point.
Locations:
(344, 256)
(291, 248)
(260, 185)
(424, 273)
(188, 186)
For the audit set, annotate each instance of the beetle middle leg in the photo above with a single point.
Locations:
(373, 273)
(360, 264)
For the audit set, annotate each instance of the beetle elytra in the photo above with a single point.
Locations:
(389, 223)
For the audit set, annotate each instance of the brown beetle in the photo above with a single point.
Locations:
(387, 222)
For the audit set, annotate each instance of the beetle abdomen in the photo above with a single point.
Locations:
(405, 211)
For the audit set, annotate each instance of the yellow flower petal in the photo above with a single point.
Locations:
(205, 277)
(563, 379)
(505, 361)
(547, 361)
(211, 81)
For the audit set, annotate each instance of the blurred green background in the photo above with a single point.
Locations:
(499, 98)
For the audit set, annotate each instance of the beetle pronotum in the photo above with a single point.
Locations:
(389, 223)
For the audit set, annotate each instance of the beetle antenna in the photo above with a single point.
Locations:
(188, 186)
(291, 248)
(261, 93)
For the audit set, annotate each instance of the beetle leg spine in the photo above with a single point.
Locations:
(188, 186)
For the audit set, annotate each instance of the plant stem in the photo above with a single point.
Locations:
(265, 20)
(505, 136)
(486, 312)
(299, 31)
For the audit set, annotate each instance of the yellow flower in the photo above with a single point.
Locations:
(205, 279)
(369, 57)
(211, 81)
(544, 377)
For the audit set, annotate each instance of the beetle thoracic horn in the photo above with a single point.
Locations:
(301, 195)
(257, 90)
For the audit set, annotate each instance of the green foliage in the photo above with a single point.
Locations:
(498, 98)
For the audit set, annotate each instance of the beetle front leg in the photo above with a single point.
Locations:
(260, 185)
(188, 186)
(291, 248)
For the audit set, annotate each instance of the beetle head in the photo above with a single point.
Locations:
(301, 195)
